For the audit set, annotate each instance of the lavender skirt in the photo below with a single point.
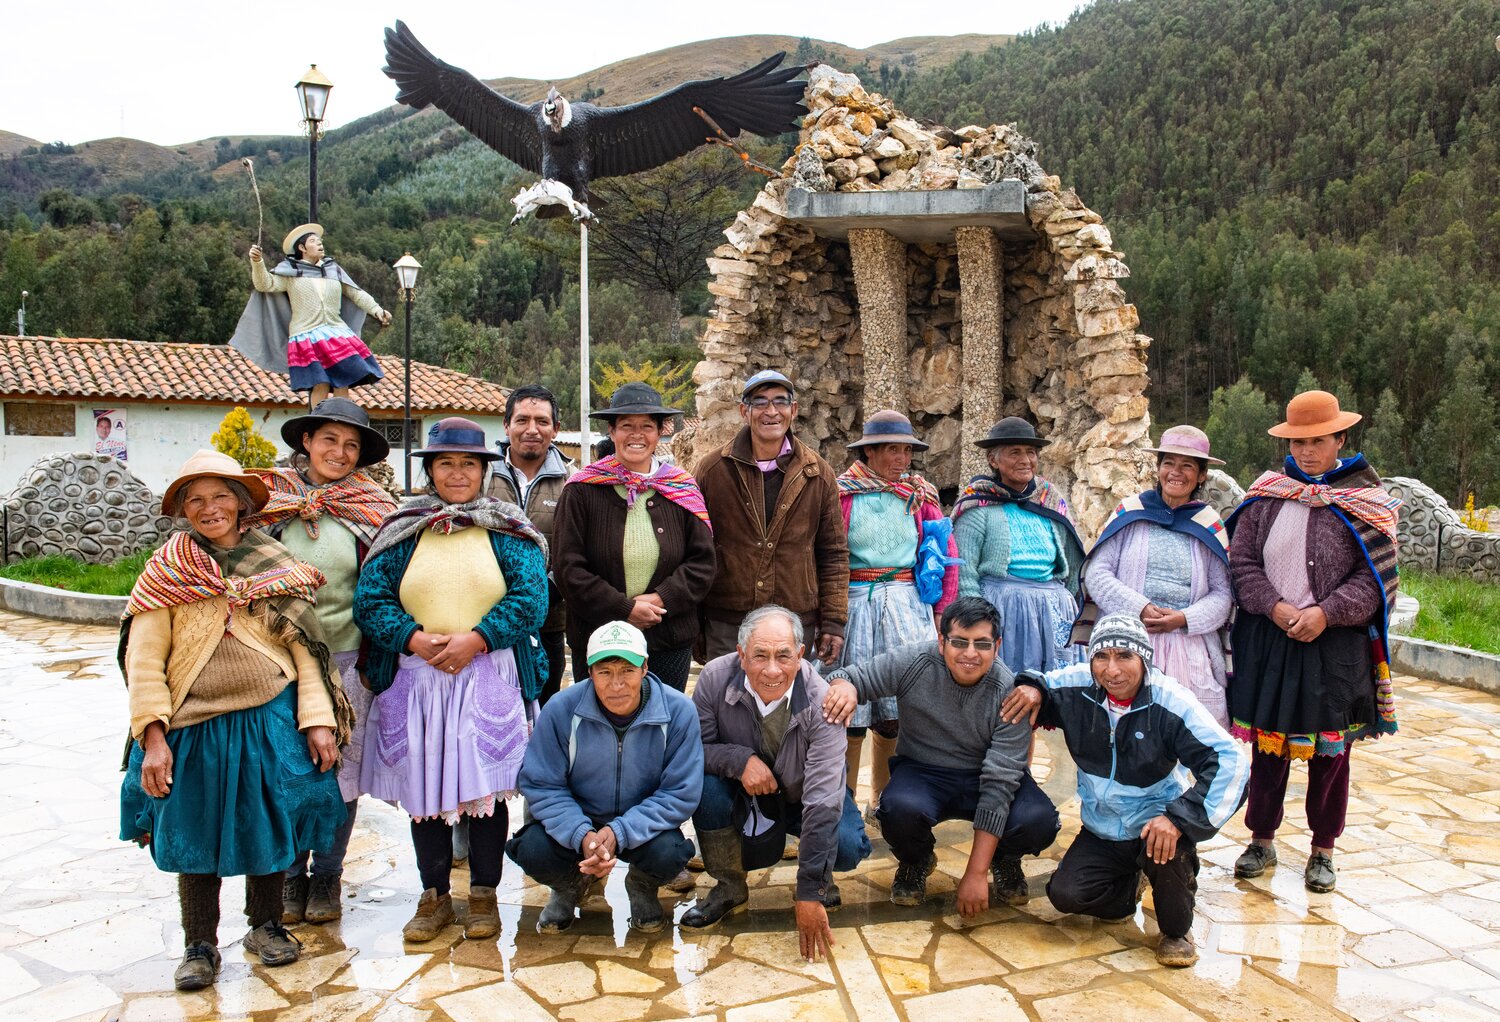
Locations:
(441, 745)
(352, 755)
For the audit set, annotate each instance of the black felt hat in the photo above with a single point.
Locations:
(1011, 430)
(634, 399)
(372, 446)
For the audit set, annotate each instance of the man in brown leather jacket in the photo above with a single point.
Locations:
(777, 530)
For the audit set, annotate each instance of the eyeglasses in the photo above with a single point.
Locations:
(980, 645)
(760, 404)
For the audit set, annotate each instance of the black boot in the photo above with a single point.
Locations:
(723, 861)
(559, 913)
(645, 901)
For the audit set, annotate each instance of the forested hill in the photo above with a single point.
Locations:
(1298, 184)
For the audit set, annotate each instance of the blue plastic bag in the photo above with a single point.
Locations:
(933, 560)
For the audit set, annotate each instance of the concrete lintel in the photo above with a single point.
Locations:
(916, 217)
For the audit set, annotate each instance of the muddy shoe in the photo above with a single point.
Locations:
(1008, 882)
(559, 913)
(910, 884)
(434, 911)
(1176, 952)
(325, 899)
(1320, 875)
(1254, 860)
(791, 848)
(484, 914)
(274, 944)
(200, 964)
(294, 899)
(645, 903)
(683, 883)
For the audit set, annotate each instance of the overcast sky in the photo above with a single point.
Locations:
(172, 72)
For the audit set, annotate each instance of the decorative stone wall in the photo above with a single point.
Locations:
(1069, 356)
(86, 506)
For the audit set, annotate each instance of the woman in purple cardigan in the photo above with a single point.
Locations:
(1313, 557)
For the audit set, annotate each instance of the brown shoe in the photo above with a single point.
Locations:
(484, 915)
(683, 883)
(434, 911)
(1176, 952)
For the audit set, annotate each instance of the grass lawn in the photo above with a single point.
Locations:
(66, 573)
(1455, 610)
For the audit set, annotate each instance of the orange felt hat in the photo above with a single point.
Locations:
(1314, 413)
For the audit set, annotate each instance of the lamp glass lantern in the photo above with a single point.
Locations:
(313, 91)
(407, 269)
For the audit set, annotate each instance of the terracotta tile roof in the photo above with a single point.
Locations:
(213, 374)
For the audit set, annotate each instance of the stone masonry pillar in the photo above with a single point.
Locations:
(880, 282)
(981, 279)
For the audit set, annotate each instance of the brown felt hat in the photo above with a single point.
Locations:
(1314, 413)
(213, 464)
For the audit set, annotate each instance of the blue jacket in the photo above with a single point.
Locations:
(1138, 769)
(580, 774)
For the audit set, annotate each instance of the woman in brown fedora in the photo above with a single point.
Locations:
(1164, 557)
(1020, 550)
(634, 541)
(1313, 557)
(326, 510)
(885, 507)
(226, 662)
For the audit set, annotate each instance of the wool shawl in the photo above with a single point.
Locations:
(911, 488)
(1352, 491)
(355, 500)
(265, 326)
(428, 512)
(1040, 497)
(258, 574)
(670, 481)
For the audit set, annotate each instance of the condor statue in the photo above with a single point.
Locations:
(573, 143)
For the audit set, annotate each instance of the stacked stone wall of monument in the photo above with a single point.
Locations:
(86, 506)
(1073, 360)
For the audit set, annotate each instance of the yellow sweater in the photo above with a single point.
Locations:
(170, 647)
(315, 300)
(453, 581)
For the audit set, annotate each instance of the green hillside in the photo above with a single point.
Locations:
(1298, 185)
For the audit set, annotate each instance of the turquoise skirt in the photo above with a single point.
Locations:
(245, 795)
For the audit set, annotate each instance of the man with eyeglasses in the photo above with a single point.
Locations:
(772, 766)
(778, 531)
(961, 754)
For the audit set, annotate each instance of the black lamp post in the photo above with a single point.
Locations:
(312, 92)
(406, 275)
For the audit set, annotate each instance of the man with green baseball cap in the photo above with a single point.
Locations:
(612, 772)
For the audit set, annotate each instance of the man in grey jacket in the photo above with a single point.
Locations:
(772, 765)
(961, 755)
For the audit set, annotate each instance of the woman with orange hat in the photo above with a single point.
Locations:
(1313, 556)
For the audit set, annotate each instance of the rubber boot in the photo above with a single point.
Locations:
(646, 914)
(721, 856)
(559, 913)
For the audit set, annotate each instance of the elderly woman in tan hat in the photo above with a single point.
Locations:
(325, 509)
(1020, 550)
(312, 333)
(226, 663)
(886, 507)
(451, 597)
(1164, 557)
(1313, 556)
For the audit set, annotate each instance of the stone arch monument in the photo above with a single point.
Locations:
(938, 272)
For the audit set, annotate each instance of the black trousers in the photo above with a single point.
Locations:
(670, 665)
(554, 643)
(1099, 878)
(433, 842)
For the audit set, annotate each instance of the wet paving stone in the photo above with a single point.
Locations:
(88, 927)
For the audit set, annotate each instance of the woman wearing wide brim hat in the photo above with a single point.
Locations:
(1020, 549)
(304, 319)
(1313, 556)
(226, 663)
(1163, 557)
(451, 598)
(886, 507)
(633, 539)
(326, 511)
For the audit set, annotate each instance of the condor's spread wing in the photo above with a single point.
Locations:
(498, 121)
(765, 100)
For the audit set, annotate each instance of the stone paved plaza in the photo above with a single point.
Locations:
(88, 927)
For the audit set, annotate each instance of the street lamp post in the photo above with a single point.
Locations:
(21, 314)
(312, 92)
(406, 275)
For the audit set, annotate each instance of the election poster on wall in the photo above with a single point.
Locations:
(109, 430)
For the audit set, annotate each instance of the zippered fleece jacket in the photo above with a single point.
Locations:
(1136, 770)
(581, 774)
(809, 768)
(948, 725)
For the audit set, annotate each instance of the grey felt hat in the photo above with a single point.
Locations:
(1011, 430)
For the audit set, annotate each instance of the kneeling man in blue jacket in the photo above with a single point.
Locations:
(612, 772)
(1134, 734)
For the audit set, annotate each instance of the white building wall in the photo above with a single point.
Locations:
(162, 436)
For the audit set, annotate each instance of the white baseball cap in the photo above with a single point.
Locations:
(617, 639)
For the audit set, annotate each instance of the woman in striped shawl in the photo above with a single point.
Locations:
(225, 663)
(1313, 555)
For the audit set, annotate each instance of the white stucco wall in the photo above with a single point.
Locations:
(162, 436)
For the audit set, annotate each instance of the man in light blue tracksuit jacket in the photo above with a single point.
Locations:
(612, 772)
(1135, 734)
